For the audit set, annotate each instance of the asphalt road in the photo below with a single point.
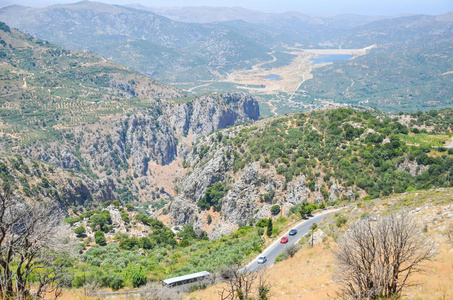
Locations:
(276, 248)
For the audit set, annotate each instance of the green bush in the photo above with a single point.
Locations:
(99, 237)
(341, 220)
(145, 243)
(80, 231)
(114, 281)
(213, 197)
(125, 217)
(71, 221)
(275, 210)
(78, 281)
(280, 257)
(138, 279)
(259, 231)
(101, 219)
(262, 223)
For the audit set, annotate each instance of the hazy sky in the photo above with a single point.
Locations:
(366, 7)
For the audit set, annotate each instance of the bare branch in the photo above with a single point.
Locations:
(31, 240)
(376, 259)
(241, 284)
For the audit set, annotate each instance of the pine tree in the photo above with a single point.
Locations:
(269, 227)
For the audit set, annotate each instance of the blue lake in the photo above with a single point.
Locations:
(320, 59)
(273, 77)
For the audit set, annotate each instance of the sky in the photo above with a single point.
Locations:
(314, 7)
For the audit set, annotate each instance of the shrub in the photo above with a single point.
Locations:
(101, 219)
(71, 221)
(213, 197)
(138, 279)
(290, 251)
(80, 231)
(78, 281)
(262, 223)
(142, 218)
(369, 197)
(280, 257)
(116, 282)
(99, 237)
(341, 220)
(275, 210)
(260, 231)
(125, 217)
(145, 243)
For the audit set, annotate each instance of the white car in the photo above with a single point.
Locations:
(262, 259)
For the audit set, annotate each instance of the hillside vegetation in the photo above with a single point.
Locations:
(312, 272)
(409, 70)
(324, 157)
(46, 88)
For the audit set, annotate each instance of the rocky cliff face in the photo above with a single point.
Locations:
(209, 113)
(133, 145)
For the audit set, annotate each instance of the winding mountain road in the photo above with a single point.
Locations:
(277, 248)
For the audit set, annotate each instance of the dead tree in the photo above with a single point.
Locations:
(376, 258)
(30, 239)
(242, 284)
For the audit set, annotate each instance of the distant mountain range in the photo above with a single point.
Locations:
(180, 47)
(193, 44)
(206, 14)
(142, 40)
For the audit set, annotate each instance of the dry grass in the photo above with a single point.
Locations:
(310, 273)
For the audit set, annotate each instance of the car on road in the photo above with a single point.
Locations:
(284, 240)
(262, 259)
(293, 232)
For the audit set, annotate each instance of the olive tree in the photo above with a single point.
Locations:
(377, 258)
(31, 248)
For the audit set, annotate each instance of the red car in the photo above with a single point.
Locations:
(284, 240)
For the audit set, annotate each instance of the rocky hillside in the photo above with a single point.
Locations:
(78, 111)
(34, 179)
(144, 149)
(325, 157)
(46, 89)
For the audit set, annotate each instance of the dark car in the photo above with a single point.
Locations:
(293, 232)
(284, 240)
